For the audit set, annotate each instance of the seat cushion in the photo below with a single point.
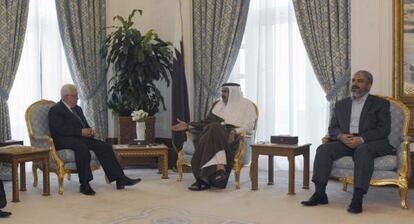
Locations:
(378, 174)
(388, 162)
(68, 155)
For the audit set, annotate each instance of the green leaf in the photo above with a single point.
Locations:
(137, 61)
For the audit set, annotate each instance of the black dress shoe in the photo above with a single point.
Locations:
(199, 185)
(4, 214)
(355, 207)
(86, 190)
(126, 181)
(316, 199)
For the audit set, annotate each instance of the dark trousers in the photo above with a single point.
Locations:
(105, 156)
(363, 157)
(3, 201)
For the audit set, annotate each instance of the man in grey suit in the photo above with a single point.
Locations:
(359, 127)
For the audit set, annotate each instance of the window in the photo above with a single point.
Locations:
(43, 67)
(274, 63)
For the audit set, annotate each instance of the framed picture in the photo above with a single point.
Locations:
(403, 54)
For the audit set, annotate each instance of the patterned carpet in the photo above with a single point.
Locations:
(166, 201)
(163, 215)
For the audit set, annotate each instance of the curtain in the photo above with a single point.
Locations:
(325, 29)
(41, 72)
(275, 73)
(43, 68)
(81, 25)
(218, 27)
(13, 19)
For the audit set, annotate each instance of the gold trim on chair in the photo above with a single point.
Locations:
(60, 171)
(402, 181)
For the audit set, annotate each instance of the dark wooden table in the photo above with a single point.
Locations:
(289, 151)
(127, 153)
(15, 155)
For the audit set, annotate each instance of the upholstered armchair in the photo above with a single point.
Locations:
(389, 169)
(61, 162)
(185, 154)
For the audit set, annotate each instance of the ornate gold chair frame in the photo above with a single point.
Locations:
(403, 164)
(45, 141)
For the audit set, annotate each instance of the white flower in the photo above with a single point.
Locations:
(139, 115)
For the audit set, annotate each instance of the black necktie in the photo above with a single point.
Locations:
(76, 114)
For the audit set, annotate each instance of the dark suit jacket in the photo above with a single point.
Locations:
(3, 201)
(374, 123)
(64, 125)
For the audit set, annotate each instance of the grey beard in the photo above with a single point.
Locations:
(357, 94)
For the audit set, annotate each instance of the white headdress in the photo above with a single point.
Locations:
(238, 111)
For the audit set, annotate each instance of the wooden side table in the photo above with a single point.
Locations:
(289, 151)
(16, 155)
(129, 152)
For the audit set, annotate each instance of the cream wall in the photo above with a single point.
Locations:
(164, 17)
(371, 41)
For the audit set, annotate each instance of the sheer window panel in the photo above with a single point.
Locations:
(281, 81)
(43, 68)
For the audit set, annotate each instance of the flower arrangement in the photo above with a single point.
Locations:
(139, 116)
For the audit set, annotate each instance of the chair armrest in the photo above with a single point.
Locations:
(408, 138)
(45, 141)
(240, 153)
(41, 141)
(187, 136)
(326, 139)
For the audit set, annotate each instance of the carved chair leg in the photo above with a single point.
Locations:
(60, 180)
(60, 172)
(237, 178)
(403, 195)
(34, 171)
(180, 170)
(344, 186)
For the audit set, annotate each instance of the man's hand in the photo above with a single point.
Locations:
(87, 132)
(350, 140)
(180, 126)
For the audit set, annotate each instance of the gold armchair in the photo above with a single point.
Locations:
(389, 169)
(245, 140)
(61, 162)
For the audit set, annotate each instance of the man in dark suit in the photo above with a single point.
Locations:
(3, 201)
(359, 127)
(70, 130)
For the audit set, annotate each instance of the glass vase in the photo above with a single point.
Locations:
(140, 129)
